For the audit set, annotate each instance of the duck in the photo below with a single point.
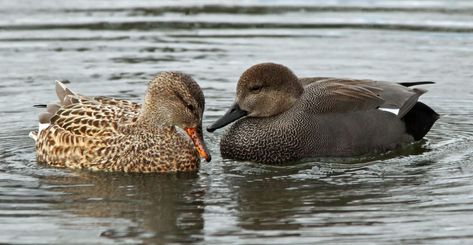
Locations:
(163, 134)
(280, 118)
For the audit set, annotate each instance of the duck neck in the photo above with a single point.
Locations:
(298, 89)
(295, 92)
(154, 116)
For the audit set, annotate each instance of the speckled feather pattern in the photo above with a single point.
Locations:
(296, 134)
(291, 119)
(103, 133)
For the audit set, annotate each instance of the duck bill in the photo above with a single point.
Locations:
(198, 140)
(233, 114)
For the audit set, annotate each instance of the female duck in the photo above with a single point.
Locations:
(284, 118)
(109, 134)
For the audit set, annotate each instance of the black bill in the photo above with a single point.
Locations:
(231, 115)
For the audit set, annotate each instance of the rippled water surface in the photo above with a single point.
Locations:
(423, 195)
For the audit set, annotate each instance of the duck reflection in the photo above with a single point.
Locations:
(165, 208)
(280, 201)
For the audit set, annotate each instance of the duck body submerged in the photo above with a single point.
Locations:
(117, 146)
(107, 134)
(330, 118)
(295, 135)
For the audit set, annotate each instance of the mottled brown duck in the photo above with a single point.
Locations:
(281, 118)
(164, 134)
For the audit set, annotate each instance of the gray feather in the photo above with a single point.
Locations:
(334, 117)
(44, 117)
(394, 95)
(52, 108)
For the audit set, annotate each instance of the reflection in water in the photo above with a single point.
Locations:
(164, 208)
(278, 199)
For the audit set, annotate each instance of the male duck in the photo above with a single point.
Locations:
(287, 119)
(110, 134)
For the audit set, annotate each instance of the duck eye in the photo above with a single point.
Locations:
(256, 88)
(190, 107)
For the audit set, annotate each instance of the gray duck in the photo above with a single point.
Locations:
(282, 118)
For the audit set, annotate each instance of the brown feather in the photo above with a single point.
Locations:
(104, 133)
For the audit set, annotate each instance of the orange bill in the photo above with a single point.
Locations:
(196, 136)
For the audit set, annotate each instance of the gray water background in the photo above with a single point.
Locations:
(421, 195)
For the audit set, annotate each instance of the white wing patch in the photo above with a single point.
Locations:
(393, 111)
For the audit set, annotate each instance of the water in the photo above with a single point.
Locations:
(423, 195)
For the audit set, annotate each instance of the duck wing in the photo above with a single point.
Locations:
(342, 95)
(78, 128)
(91, 116)
(80, 115)
(92, 119)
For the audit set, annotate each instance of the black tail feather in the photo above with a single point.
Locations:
(409, 84)
(419, 120)
(40, 105)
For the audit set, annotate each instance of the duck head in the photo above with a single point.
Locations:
(175, 99)
(264, 90)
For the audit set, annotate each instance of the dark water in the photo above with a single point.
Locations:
(423, 195)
